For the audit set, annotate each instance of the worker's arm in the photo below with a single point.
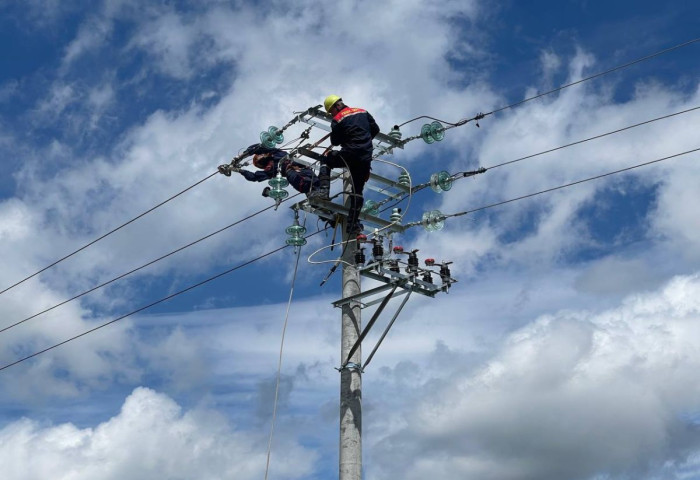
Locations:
(258, 176)
(373, 127)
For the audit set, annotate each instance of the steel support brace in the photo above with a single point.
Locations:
(381, 339)
(367, 328)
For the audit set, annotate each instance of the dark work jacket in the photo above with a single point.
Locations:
(270, 164)
(353, 129)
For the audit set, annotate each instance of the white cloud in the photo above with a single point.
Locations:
(573, 394)
(151, 437)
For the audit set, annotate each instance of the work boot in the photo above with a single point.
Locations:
(354, 229)
(324, 181)
(317, 194)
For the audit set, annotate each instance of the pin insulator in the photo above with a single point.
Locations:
(394, 266)
(370, 208)
(395, 216)
(395, 132)
(427, 277)
(404, 179)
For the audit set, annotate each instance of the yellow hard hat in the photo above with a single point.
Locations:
(330, 101)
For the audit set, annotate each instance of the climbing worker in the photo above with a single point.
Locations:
(353, 129)
(269, 160)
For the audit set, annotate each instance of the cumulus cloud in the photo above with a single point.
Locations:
(150, 437)
(572, 395)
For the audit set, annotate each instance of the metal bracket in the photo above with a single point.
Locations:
(328, 210)
(351, 366)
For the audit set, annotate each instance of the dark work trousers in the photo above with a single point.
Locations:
(303, 180)
(359, 168)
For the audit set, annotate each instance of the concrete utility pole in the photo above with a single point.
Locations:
(350, 379)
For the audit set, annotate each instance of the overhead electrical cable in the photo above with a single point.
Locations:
(562, 87)
(571, 184)
(152, 304)
(104, 284)
(108, 233)
(191, 287)
(459, 175)
(593, 138)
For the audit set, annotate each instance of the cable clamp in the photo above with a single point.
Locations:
(351, 367)
(225, 169)
(474, 172)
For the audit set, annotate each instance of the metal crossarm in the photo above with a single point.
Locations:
(327, 210)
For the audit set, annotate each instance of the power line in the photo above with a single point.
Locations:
(593, 138)
(140, 268)
(629, 64)
(562, 87)
(107, 234)
(180, 292)
(458, 175)
(572, 183)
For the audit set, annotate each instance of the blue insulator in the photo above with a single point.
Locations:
(295, 230)
(370, 208)
(276, 134)
(296, 241)
(437, 131)
(433, 220)
(441, 181)
(405, 180)
(266, 140)
(426, 134)
(395, 215)
(278, 182)
(278, 193)
(296, 234)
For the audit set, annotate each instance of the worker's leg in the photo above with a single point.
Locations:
(303, 180)
(360, 174)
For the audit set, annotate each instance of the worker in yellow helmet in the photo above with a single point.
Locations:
(353, 130)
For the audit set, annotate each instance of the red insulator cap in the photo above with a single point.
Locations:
(398, 249)
(430, 262)
(362, 238)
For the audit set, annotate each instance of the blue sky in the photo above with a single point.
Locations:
(566, 351)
